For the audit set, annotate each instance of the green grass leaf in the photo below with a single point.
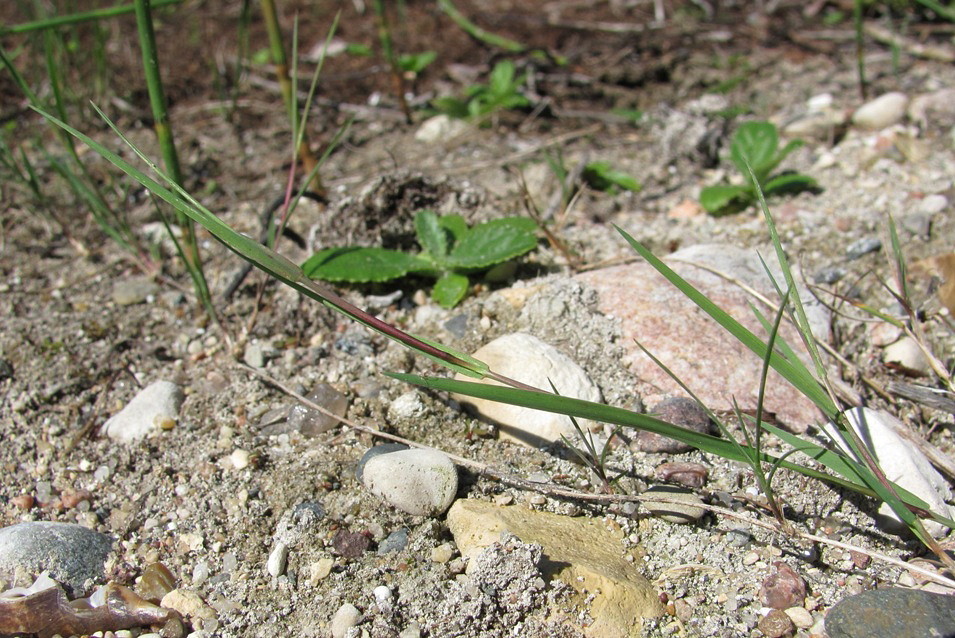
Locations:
(716, 198)
(359, 264)
(416, 62)
(450, 290)
(493, 242)
(604, 177)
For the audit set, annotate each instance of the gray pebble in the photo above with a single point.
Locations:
(862, 247)
(133, 291)
(738, 537)
(155, 405)
(686, 511)
(419, 482)
(311, 422)
(394, 542)
(829, 276)
(680, 411)
(896, 612)
(254, 356)
(74, 555)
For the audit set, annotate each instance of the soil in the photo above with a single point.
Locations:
(70, 356)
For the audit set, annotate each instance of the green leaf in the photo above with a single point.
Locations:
(631, 115)
(501, 80)
(450, 290)
(455, 225)
(755, 142)
(786, 150)
(495, 241)
(788, 183)
(416, 62)
(358, 264)
(432, 237)
(603, 177)
(358, 49)
(716, 198)
(451, 106)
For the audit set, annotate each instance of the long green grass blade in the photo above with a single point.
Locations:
(77, 18)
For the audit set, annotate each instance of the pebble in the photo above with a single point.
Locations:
(188, 603)
(394, 542)
(686, 474)
(783, 588)
(73, 555)
(239, 458)
(419, 482)
(133, 291)
(679, 411)
(442, 553)
(154, 405)
(900, 613)
(686, 511)
(829, 276)
(350, 544)
(440, 129)
(254, 356)
(776, 624)
(936, 108)
(739, 538)
(406, 407)
(413, 630)
(800, 617)
(906, 353)
(310, 422)
(344, 619)
(933, 204)
(527, 359)
(383, 598)
(319, 570)
(278, 559)
(901, 463)
(881, 112)
(863, 246)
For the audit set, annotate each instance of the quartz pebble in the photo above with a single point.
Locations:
(419, 482)
(906, 353)
(344, 619)
(383, 598)
(154, 405)
(933, 204)
(278, 559)
(800, 617)
(439, 129)
(881, 112)
(311, 422)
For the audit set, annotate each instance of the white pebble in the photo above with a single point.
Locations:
(800, 617)
(383, 598)
(881, 112)
(239, 459)
(155, 404)
(419, 482)
(344, 619)
(933, 204)
(907, 353)
(277, 559)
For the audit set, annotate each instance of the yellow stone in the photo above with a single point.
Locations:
(584, 553)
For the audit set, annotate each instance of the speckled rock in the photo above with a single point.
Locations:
(419, 482)
(151, 410)
(717, 367)
(680, 411)
(529, 360)
(783, 588)
(901, 463)
(881, 112)
(686, 510)
(73, 555)
(900, 613)
(583, 553)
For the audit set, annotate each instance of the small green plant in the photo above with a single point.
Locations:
(451, 252)
(604, 177)
(415, 63)
(500, 93)
(755, 144)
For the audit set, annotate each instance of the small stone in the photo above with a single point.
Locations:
(906, 354)
(776, 624)
(783, 588)
(936, 109)
(829, 276)
(310, 422)
(383, 598)
(239, 459)
(254, 356)
(679, 411)
(143, 415)
(881, 112)
(278, 559)
(419, 482)
(686, 474)
(442, 553)
(23, 501)
(319, 570)
(862, 247)
(394, 542)
(413, 630)
(188, 603)
(900, 613)
(750, 558)
(344, 619)
(800, 617)
(73, 555)
(350, 544)
(155, 583)
(406, 407)
(687, 510)
(739, 538)
(440, 129)
(933, 204)
(883, 333)
(133, 291)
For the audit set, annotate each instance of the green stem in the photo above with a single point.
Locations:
(387, 48)
(76, 18)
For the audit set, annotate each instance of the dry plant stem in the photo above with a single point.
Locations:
(910, 46)
(560, 492)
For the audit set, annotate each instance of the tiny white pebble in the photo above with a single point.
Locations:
(277, 559)
(239, 458)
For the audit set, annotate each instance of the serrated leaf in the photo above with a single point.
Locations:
(432, 237)
(493, 242)
(603, 176)
(755, 142)
(358, 264)
(450, 289)
(790, 182)
(715, 198)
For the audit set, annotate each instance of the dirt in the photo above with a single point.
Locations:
(71, 356)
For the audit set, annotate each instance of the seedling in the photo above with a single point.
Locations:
(452, 251)
(415, 63)
(755, 143)
(604, 177)
(500, 93)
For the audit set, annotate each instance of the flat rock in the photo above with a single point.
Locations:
(881, 112)
(527, 359)
(419, 482)
(440, 129)
(146, 413)
(584, 553)
(683, 505)
(73, 555)
(903, 464)
(694, 347)
(133, 291)
(896, 612)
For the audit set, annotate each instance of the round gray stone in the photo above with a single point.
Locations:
(73, 555)
(896, 612)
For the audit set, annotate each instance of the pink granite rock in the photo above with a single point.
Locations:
(700, 352)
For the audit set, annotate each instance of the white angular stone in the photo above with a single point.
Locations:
(527, 359)
(344, 619)
(902, 463)
(881, 112)
(419, 482)
(155, 404)
(907, 353)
